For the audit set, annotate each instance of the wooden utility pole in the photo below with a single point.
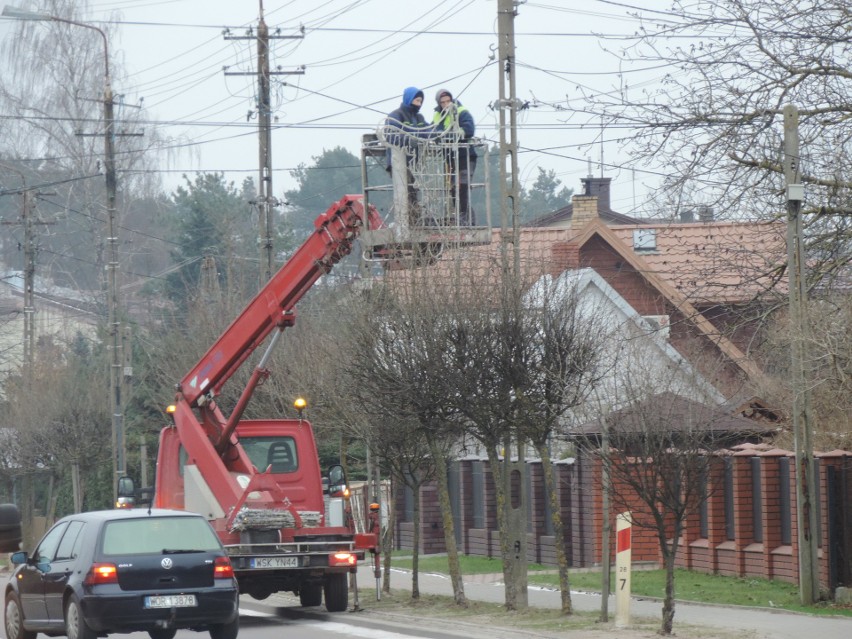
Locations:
(266, 201)
(514, 472)
(806, 506)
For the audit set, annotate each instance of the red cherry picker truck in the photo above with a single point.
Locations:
(258, 481)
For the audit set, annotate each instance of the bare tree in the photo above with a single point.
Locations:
(399, 368)
(54, 86)
(662, 441)
(714, 125)
(828, 350)
(66, 427)
(564, 361)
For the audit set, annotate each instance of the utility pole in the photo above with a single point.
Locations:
(806, 506)
(265, 198)
(514, 473)
(30, 253)
(29, 281)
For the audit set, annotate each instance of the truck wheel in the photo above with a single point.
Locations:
(336, 588)
(163, 633)
(225, 630)
(15, 619)
(310, 594)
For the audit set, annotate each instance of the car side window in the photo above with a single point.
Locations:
(69, 545)
(47, 548)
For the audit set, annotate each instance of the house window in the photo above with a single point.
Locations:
(785, 501)
(756, 500)
(644, 239)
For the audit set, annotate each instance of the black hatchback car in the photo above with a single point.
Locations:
(122, 571)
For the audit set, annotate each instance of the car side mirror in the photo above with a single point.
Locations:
(125, 493)
(18, 558)
(336, 481)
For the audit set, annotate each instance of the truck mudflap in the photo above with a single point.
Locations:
(366, 541)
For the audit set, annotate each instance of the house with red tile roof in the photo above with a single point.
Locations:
(690, 278)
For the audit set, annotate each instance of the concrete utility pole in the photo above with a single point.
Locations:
(806, 504)
(266, 201)
(514, 473)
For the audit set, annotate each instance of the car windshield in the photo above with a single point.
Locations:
(157, 534)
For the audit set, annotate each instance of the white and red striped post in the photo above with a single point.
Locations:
(622, 569)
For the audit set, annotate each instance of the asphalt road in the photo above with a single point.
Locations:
(754, 622)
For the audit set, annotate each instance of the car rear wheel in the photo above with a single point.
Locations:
(15, 619)
(75, 625)
(336, 588)
(224, 630)
(310, 594)
(163, 634)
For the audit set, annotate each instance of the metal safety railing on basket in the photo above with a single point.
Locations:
(432, 192)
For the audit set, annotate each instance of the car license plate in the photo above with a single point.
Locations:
(170, 601)
(275, 562)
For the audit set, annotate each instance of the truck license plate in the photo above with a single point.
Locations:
(274, 562)
(171, 601)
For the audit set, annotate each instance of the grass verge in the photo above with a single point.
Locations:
(689, 585)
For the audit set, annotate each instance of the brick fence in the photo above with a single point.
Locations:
(746, 527)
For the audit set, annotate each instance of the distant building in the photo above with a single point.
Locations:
(58, 320)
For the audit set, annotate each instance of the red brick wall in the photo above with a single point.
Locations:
(581, 503)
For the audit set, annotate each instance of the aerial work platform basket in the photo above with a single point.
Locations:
(424, 200)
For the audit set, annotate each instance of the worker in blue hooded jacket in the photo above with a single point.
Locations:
(456, 122)
(404, 126)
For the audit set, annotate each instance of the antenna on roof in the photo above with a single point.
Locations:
(602, 145)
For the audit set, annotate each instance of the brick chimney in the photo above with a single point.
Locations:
(598, 186)
(585, 209)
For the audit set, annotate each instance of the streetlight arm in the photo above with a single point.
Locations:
(22, 14)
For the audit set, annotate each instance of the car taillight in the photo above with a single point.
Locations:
(342, 559)
(101, 574)
(222, 568)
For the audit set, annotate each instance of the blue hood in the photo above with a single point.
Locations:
(409, 94)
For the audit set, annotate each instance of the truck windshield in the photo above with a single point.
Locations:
(276, 453)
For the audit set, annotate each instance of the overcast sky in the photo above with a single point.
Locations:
(358, 55)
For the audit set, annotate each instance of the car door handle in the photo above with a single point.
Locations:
(57, 577)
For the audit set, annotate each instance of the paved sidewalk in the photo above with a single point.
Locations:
(759, 622)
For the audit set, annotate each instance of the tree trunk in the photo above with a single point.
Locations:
(75, 487)
(387, 541)
(415, 543)
(497, 473)
(27, 501)
(558, 528)
(669, 554)
(449, 526)
(52, 498)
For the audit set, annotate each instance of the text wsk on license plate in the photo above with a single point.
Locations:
(275, 562)
(170, 601)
